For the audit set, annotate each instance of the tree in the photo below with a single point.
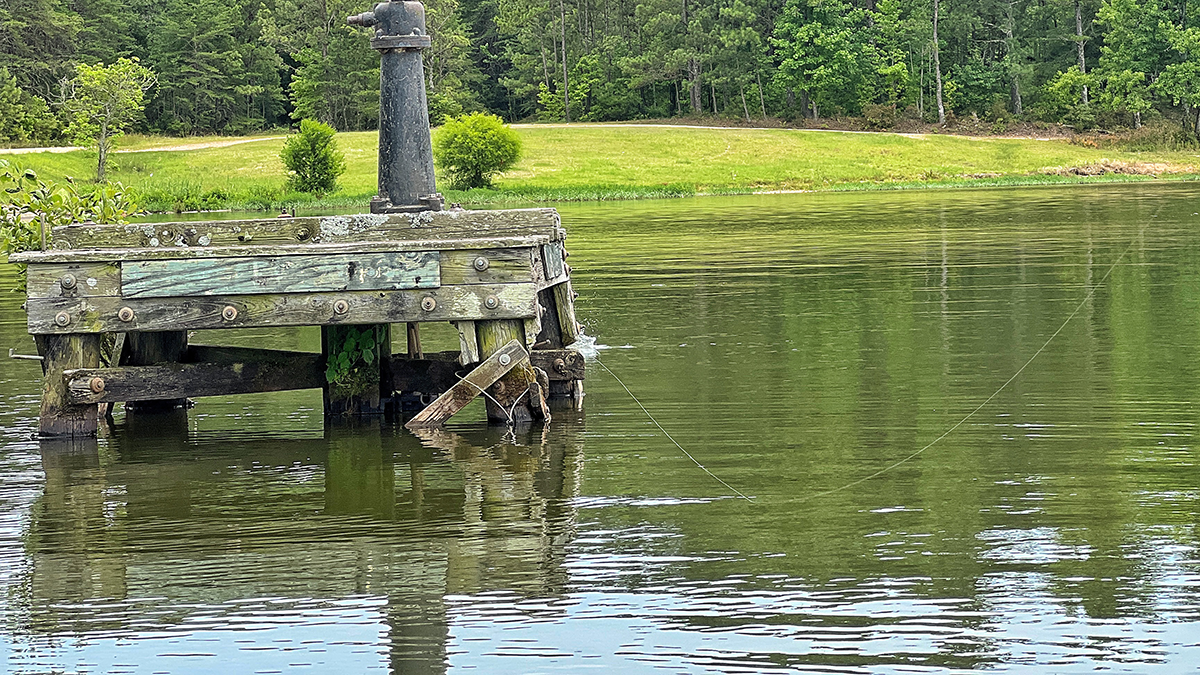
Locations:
(103, 101)
(823, 52)
(473, 148)
(312, 158)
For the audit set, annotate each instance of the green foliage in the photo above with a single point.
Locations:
(472, 149)
(312, 159)
(28, 203)
(23, 117)
(103, 101)
(353, 348)
(1062, 99)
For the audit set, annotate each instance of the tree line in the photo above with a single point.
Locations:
(236, 66)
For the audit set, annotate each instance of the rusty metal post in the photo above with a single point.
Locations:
(406, 181)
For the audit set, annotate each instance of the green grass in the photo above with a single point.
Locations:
(597, 162)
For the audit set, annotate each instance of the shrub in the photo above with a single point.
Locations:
(472, 149)
(312, 159)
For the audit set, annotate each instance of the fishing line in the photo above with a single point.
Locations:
(668, 434)
(1086, 297)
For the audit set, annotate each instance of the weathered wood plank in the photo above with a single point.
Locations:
(552, 258)
(448, 303)
(564, 304)
(502, 361)
(72, 280)
(242, 251)
(313, 230)
(467, 342)
(516, 398)
(284, 274)
(499, 266)
(185, 380)
(60, 416)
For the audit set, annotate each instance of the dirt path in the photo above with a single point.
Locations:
(165, 148)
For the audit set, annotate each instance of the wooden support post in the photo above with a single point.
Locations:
(516, 398)
(59, 417)
(501, 362)
(414, 340)
(559, 329)
(354, 356)
(146, 349)
(467, 342)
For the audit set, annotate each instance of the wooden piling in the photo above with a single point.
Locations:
(147, 349)
(516, 398)
(59, 416)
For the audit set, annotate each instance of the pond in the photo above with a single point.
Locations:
(964, 420)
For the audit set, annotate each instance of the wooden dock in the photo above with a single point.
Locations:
(111, 306)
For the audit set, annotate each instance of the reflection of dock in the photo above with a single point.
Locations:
(363, 512)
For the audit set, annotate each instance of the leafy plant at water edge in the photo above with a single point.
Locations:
(357, 346)
(29, 204)
(313, 159)
(472, 149)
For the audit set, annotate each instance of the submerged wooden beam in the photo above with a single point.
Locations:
(113, 314)
(501, 362)
(438, 371)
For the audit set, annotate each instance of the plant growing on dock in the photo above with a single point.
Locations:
(103, 101)
(30, 207)
(354, 345)
(472, 149)
(313, 159)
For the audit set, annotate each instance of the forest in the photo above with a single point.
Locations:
(241, 66)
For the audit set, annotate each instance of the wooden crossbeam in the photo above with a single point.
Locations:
(458, 396)
(166, 381)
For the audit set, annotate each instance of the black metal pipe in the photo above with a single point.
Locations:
(406, 180)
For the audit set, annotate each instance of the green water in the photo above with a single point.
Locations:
(806, 349)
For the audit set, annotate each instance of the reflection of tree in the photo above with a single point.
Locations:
(371, 511)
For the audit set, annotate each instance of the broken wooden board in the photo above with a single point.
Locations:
(476, 382)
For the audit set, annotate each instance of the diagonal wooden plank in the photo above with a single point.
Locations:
(457, 397)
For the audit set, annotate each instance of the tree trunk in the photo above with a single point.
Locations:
(745, 109)
(713, 88)
(562, 13)
(1079, 45)
(1008, 48)
(937, 66)
(101, 152)
(762, 101)
(694, 76)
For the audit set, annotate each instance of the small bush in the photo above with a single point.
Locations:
(472, 149)
(879, 116)
(312, 159)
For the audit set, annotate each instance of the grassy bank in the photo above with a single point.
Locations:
(598, 162)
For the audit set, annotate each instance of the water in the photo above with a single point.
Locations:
(795, 344)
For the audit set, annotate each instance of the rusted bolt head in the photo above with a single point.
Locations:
(229, 313)
(62, 319)
(481, 263)
(68, 281)
(504, 359)
(428, 303)
(341, 307)
(491, 302)
(499, 388)
(125, 314)
(96, 385)
(560, 366)
(303, 234)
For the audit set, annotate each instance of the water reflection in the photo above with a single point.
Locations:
(259, 544)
